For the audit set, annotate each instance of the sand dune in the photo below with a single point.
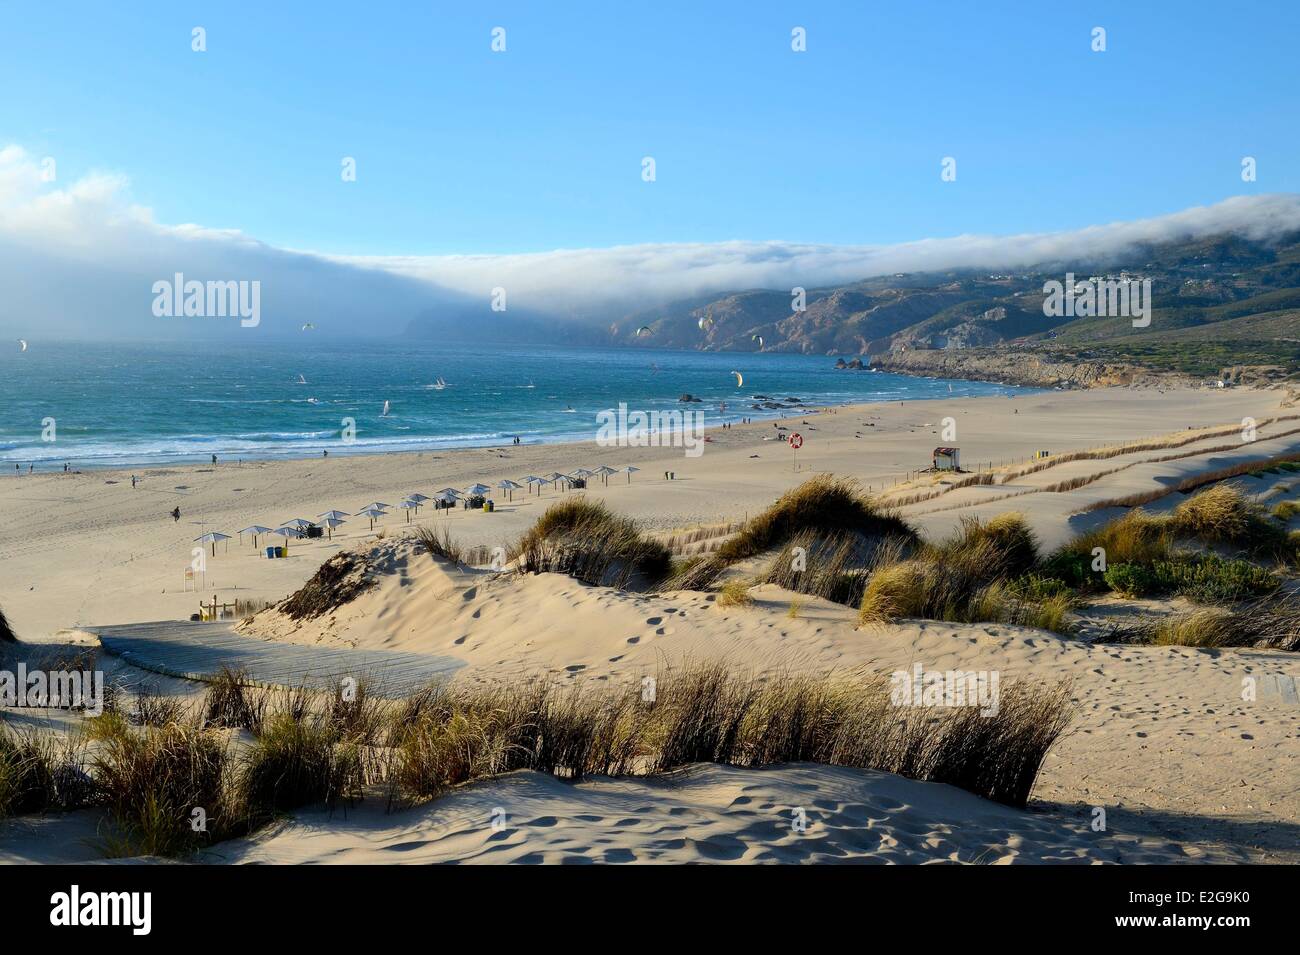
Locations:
(709, 814)
(1163, 742)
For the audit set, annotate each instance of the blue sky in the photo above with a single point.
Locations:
(461, 150)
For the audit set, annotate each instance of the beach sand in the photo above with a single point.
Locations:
(1162, 741)
(87, 548)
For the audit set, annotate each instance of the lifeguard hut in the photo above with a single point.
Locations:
(947, 459)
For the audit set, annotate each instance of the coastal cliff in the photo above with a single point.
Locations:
(1021, 368)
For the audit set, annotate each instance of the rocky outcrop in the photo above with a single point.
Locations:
(1022, 368)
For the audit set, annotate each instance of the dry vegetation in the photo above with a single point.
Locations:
(585, 540)
(824, 504)
(314, 749)
(341, 579)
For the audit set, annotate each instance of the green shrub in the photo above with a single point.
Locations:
(1130, 580)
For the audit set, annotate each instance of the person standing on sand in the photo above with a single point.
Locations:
(133, 480)
(176, 514)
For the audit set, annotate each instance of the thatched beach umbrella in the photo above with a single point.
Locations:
(534, 481)
(555, 476)
(211, 537)
(605, 471)
(334, 515)
(509, 487)
(630, 470)
(256, 530)
(478, 490)
(330, 523)
(375, 506)
(373, 513)
(409, 506)
(417, 498)
(298, 523)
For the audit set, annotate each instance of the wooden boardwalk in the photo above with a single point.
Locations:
(198, 651)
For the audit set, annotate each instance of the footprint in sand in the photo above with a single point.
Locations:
(633, 639)
(654, 621)
(575, 667)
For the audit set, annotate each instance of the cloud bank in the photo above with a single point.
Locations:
(80, 260)
(584, 279)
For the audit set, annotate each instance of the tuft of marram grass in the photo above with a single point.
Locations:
(825, 504)
(300, 762)
(1201, 628)
(1222, 514)
(1285, 510)
(39, 773)
(585, 540)
(709, 714)
(735, 593)
(1134, 538)
(439, 544)
(232, 703)
(825, 565)
(152, 780)
(1006, 539)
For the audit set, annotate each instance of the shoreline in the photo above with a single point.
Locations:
(53, 465)
(88, 548)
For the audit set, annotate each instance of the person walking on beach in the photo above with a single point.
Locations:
(133, 480)
(214, 459)
(176, 513)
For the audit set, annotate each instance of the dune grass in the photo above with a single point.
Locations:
(38, 772)
(972, 577)
(151, 779)
(1134, 538)
(1285, 510)
(1006, 540)
(440, 544)
(1222, 514)
(340, 580)
(821, 565)
(1200, 628)
(707, 714)
(824, 504)
(300, 761)
(735, 593)
(230, 702)
(585, 540)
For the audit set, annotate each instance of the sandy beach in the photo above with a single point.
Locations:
(1186, 770)
(89, 548)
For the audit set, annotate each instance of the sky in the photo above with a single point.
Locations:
(463, 151)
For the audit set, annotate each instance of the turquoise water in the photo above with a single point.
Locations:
(140, 404)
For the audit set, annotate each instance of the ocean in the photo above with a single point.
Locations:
(109, 405)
